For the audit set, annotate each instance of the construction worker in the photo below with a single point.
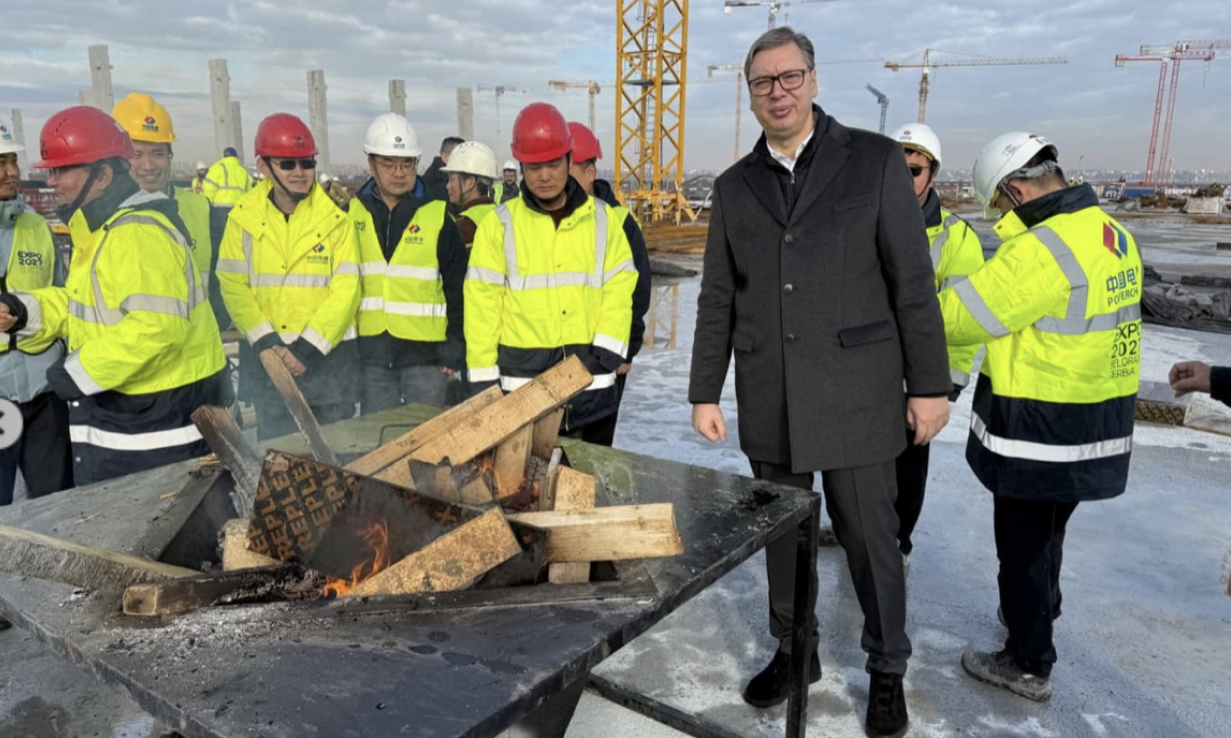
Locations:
(956, 253)
(290, 281)
(144, 346)
(506, 189)
(586, 153)
(1058, 308)
(472, 172)
(413, 264)
(551, 276)
(434, 177)
(227, 180)
(199, 181)
(28, 262)
(152, 132)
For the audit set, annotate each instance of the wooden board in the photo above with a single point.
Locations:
(235, 553)
(608, 533)
(499, 421)
(176, 596)
(574, 491)
(465, 485)
(453, 561)
(218, 427)
(399, 449)
(547, 490)
(546, 430)
(511, 458)
(298, 407)
(44, 557)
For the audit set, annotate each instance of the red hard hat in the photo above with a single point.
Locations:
(540, 134)
(81, 135)
(284, 136)
(585, 144)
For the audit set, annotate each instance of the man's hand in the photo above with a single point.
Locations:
(927, 417)
(625, 368)
(1189, 376)
(707, 420)
(293, 365)
(449, 373)
(7, 319)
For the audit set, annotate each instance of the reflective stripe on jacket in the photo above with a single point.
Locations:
(1058, 308)
(29, 255)
(226, 182)
(956, 254)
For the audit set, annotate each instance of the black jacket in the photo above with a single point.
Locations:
(822, 285)
(1220, 384)
(436, 180)
(641, 258)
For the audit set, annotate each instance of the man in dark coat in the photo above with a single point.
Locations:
(817, 275)
(436, 180)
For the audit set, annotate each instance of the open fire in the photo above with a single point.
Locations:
(377, 538)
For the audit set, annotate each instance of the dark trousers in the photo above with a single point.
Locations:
(860, 503)
(602, 432)
(273, 420)
(912, 474)
(385, 388)
(1030, 545)
(43, 452)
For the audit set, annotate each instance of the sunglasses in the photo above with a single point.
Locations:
(916, 170)
(288, 165)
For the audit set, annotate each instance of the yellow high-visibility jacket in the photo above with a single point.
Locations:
(956, 254)
(194, 210)
(1058, 308)
(31, 266)
(226, 182)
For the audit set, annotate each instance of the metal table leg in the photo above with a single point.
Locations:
(801, 627)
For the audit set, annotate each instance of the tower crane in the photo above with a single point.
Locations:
(928, 64)
(498, 91)
(884, 101)
(774, 6)
(594, 88)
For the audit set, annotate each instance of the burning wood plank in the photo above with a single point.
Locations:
(36, 555)
(466, 484)
(511, 460)
(297, 406)
(608, 533)
(227, 441)
(573, 491)
(269, 584)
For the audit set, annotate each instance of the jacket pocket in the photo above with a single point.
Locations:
(743, 342)
(862, 334)
(851, 203)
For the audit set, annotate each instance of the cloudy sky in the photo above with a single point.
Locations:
(1089, 107)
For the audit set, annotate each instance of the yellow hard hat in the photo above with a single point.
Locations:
(144, 119)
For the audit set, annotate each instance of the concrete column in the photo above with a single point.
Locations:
(465, 113)
(397, 96)
(318, 118)
(237, 131)
(220, 100)
(100, 78)
(19, 135)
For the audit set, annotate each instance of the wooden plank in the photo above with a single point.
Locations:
(36, 555)
(453, 561)
(218, 427)
(608, 533)
(574, 491)
(399, 448)
(511, 458)
(547, 491)
(298, 407)
(176, 596)
(465, 486)
(546, 430)
(235, 553)
(499, 421)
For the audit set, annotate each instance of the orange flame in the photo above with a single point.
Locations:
(377, 537)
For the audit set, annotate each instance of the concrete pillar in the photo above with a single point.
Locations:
(318, 118)
(19, 135)
(100, 78)
(220, 100)
(465, 113)
(237, 131)
(397, 96)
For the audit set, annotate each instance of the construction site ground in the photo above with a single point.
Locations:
(1144, 640)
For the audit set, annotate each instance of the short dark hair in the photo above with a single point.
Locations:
(1053, 178)
(450, 143)
(776, 37)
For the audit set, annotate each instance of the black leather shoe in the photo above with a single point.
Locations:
(4, 624)
(886, 705)
(773, 685)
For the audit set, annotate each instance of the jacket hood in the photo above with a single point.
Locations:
(368, 192)
(575, 197)
(932, 216)
(10, 210)
(1062, 202)
(605, 192)
(255, 209)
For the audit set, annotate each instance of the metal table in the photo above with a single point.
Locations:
(453, 665)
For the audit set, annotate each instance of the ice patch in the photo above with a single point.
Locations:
(1027, 727)
(1096, 721)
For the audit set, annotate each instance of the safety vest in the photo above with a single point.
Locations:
(404, 296)
(296, 277)
(226, 182)
(533, 289)
(31, 266)
(194, 210)
(1058, 308)
(476, 213)
(498, 192)
(956, 254)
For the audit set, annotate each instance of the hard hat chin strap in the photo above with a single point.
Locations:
(1026, 173)
(295, 197)
(65, 212)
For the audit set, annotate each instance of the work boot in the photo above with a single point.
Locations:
(773, 685)
(999, 669)
(886, 704)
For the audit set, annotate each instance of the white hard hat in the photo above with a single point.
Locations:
(8, 140)
(324, 178)
(921, 138)
(202, 165)
(392, 135)
(1006, 157)
(510, 164)
(474, 158)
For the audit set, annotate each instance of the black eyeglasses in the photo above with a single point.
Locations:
(792, 80)
(288, 165)
(916, 170)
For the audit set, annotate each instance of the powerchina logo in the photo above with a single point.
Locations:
(149, 124)
(319, 254)
(1115, 241)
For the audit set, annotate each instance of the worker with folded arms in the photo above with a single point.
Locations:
(551, 276)
(226, 181)
(507, 188)
(413, 263)
(290, 281)
(1058, 308)
(144, 347)
(586, 153)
